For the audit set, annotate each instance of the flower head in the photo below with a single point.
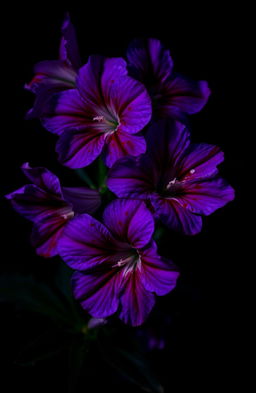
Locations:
(118, 268)
(53, 76)
(180, 180)
(172, 95)
(102, 115)
(50, 206)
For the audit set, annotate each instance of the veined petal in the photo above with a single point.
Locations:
(180, 95)
(200, 161)
(136, 301)
(43, 178)
(83, 199)
(69, 50)
(158, 275)
(79, 148)
(46, 234)
(97, 292)
(149, 61)
(87, 243)
(173, 214)
(204, 197)
(121, 144)
(129, 221)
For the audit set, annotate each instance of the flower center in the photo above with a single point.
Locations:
(106, 122)
(130, 262)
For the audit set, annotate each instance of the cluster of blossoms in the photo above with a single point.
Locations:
(132, 113)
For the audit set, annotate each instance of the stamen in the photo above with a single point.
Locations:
(98, 118)
(68, 215)
(171, 183)
(192, 171)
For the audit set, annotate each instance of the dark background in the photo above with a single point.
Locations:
(207, 336)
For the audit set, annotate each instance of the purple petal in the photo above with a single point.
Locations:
(97, 293)
(149, 61)
(172, 213)
(121, 144)
(87, 243)
(158, 275)
(69, 50)
(35, 204)
(130, 178)
(132, 104)
(77, 149)
(43, 178)
(204, 197)
(179, 95)
(46, 235)
(69, 113)
(83, 199)
(200, 161)
(136, 301)
(129, 221)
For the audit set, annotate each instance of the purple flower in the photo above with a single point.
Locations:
(53, 76)
(50, 206)
(118, 268)
(102, 115)
(179, 179)
(172, 95)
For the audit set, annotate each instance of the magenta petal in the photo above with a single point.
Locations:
(158, 275)
(181, 95)
(46, 234)
(129, 221)
(204, 197)
(83, 199)
(173, 214)
(97, 293)
(86, 243)
(69, 113)
(136, 301)
(43, 178)
(121, 144)
(69, 50)
(148, 60)
(77, 149)
(200, 161)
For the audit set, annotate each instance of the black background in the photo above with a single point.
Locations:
(207, 334)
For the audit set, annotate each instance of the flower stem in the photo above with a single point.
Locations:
(86, 178)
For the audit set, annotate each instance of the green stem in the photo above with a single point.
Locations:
(85, 177)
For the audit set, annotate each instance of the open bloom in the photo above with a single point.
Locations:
(52, 76)
(50, 206)
(118, 268)
(179, 180)
(102, 115)
(172, 94)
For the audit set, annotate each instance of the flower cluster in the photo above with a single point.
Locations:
(132, 113)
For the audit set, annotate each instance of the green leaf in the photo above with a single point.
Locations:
(33, 296)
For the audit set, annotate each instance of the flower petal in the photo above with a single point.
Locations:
(158, 275)
(83, 199)
(131, 178)
(97, 292)
(43, 178)
(136, 301)
(46, 234)
(200, 161)
(129, 221)
(121, 144)
(68, 113)
(149, 61)
(180, 95)
(69, 50)
(79, 148)
(204, 197)
(175, 216)
(87, 243)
